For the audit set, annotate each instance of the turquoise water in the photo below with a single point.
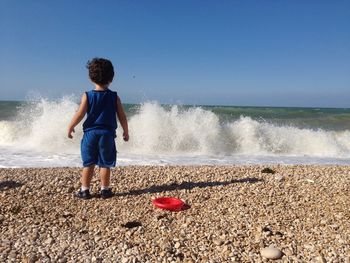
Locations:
(9, 109)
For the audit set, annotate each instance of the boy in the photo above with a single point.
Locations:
(98, 146)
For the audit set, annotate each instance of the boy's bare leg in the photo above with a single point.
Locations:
(86, 176)
(105, 174)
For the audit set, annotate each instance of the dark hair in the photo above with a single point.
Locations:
(101, 71)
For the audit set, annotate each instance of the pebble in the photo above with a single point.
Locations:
(323, 260)
(287, 252)
(279, 178)
(271, 253)
(62, 260)
(49, 241)
(33, 237)
(218, 241)
(12, 255)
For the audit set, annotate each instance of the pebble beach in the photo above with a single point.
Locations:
(295, 213)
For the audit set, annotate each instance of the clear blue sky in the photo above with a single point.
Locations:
(259, 53)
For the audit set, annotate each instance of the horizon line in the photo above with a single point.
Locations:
(207, 105)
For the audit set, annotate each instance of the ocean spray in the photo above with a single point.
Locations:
(172, 131)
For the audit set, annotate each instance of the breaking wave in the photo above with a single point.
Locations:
(173, 130)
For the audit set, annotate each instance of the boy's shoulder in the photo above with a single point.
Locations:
(93, 91)
(100, 95)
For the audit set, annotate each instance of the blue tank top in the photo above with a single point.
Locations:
(101, 112)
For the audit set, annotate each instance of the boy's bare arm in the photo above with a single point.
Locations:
(122, 119)
(78, 116)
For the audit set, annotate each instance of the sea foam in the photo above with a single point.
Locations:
(41, 126)
(157, 130)
(173, 132)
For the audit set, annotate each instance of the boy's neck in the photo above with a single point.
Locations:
(101, 87)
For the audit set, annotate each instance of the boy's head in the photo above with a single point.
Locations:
(101, 71)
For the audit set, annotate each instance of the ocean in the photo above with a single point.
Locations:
(33, 134)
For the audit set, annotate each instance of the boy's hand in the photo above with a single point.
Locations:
(126, 136)
(70, 130)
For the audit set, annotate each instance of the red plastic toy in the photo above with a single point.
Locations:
(169, 203)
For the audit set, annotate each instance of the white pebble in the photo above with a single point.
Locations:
(271, 253)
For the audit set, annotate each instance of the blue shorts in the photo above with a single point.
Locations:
(98, 147)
